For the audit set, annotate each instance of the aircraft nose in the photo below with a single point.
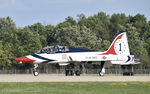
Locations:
(24, 59)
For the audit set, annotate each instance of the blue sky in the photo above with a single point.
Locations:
(28, 12)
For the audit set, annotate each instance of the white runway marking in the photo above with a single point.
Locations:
(61, 78)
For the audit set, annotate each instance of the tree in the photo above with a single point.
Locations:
(4, 60)
(50, 34)
(137, 46)
(69, 21)
(81, 17)
(40, 29)
(147, 37)
(6, 23)
(118, 21)
(78, 37)
(29, 42)
(99, 25)
(139, 21)
(8, 39)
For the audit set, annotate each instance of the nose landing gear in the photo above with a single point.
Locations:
(35, 73)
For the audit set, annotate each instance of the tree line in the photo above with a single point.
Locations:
(94, 32)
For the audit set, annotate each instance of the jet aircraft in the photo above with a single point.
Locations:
(118, 53)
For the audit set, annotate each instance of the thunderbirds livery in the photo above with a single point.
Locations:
(118, 53)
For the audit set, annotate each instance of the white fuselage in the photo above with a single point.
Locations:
(75, 56)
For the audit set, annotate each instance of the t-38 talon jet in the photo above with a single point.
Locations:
(118, 53)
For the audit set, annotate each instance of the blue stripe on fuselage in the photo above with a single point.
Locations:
(129, 58)
(43, 58)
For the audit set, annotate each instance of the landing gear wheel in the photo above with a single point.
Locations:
(35, 73)
(66, 72)
(101, 74)
(77, 73)
(69, 73)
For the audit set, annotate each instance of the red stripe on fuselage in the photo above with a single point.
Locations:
(132, 59)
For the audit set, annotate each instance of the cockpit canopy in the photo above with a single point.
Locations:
(61, 49)
(53, 49)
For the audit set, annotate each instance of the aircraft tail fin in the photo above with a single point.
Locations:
(119, 46)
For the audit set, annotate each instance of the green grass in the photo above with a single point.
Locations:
(75, 88)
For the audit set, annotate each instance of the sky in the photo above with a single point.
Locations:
(28, 12)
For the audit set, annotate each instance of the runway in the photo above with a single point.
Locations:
(62, 78)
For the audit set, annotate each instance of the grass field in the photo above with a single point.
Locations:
(75, 88)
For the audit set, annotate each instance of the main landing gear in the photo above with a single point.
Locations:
(102, 68)
(35, 73)
(70, 71)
